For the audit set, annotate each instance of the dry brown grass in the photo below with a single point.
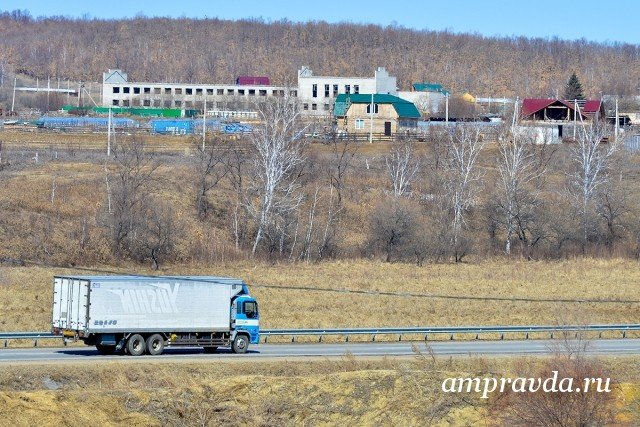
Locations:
(353, 391)
(25, 292)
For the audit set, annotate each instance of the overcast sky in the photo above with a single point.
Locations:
(589, 19)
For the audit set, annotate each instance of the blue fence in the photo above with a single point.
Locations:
(85, 122)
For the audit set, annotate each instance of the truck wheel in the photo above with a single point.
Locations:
(136, 345)
(105, 349)
(155, 344)
(240, 344)
(210, 350)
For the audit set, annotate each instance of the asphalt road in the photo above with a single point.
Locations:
(289, 351)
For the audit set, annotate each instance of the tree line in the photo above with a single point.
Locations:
(216, 50)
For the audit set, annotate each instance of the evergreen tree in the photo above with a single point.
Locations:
(573, 90)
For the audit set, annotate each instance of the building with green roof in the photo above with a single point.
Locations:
(390, 115)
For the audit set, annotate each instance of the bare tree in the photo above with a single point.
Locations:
(461, 178)
(402, 167)
(521, 163)
(277, 151)
(591, 159)
(209, 168)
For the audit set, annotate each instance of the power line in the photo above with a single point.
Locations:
(362, 292)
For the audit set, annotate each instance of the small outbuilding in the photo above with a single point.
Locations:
(561, 110)
(390, 114)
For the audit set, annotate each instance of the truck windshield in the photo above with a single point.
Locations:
(250, 309)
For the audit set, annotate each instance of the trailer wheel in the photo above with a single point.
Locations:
(155, 344)
(240, 344)
(136, 345)
(210, 350)
(105, 349)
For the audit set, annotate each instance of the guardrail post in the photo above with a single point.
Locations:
(6, 343)
(426, 337)
(399, 337)
(502, 336)
(265, 338)
(373, 338)
(551, 335)
(477, 336)
(346, 338)
(526, 337)
(599, 334)
(35, 343)
(624, 334)
(451, 337)
(320, 338)
(293, 338)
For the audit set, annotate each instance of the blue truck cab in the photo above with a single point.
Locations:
(245, 317)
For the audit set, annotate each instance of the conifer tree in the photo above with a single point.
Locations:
(573, 89)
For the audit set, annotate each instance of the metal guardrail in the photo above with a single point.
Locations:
(5, 337)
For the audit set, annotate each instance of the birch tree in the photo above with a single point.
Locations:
(521, 164)
(402, 168)
(277, 146)
(461, 178)
(591, 159)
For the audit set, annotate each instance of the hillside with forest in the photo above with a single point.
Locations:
(215, 50)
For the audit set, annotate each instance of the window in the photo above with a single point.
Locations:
(314, 91)
(189, 91)
(147, 90)
(293, 93)
(126, 89)
(220, 92)
(188, 104)
(356, 88)
(314, 107)
(125, 103)
(326, 91)
(178, 91)
(359, 123)
(156, 90)
(178, 103)
(326, 107)
(115, 102)
(250, 309)
(375, 108)
(335, 90)
(167, 104)
(167, 91)
(136, 90)
(263, 92)
(231, 92)
(241, 92)
(135, 102)
(156, 102)
(305, 106)
(209, 91)
(252, 92)
(146, 103)
(347, 88)
(116, 89)
(198, 91)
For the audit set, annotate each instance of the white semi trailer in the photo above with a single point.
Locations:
(143, 315)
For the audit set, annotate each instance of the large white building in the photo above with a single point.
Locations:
(316, 94)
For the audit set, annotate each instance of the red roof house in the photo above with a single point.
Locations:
(548, 109)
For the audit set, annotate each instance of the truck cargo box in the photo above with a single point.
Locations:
(113, 304)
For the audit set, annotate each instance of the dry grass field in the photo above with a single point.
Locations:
(348, 391)
(25, 292)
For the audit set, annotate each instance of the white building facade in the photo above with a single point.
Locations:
(317, 93)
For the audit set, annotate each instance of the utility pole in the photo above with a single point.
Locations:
(13, 100)
(446, 109)
(575, 117)
(109, 133)
(515, 113)
(617, 119)
(48, 90)
(371, 116)
(204, 123)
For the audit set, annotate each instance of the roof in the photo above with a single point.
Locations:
(405, 109)
(117, 278)
(533, 105)
(430, 87)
